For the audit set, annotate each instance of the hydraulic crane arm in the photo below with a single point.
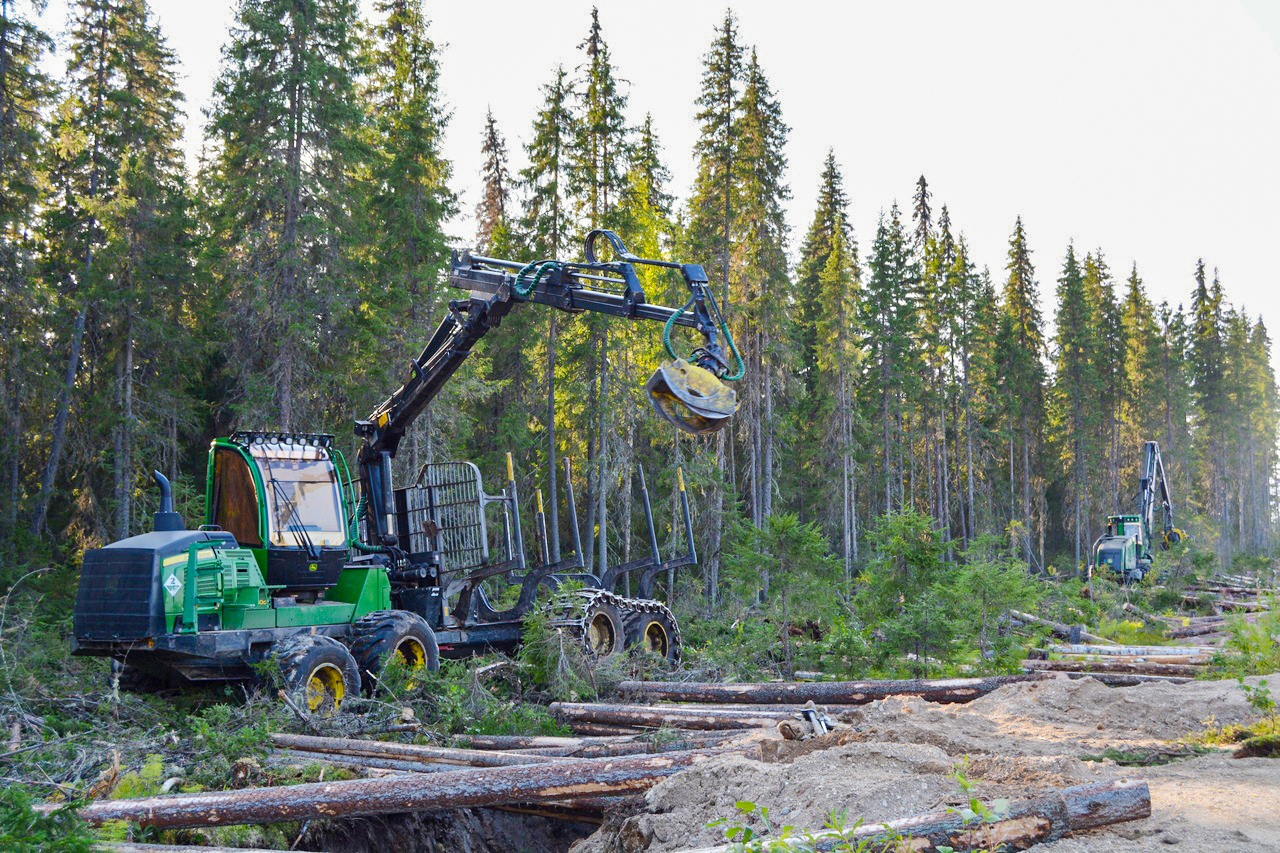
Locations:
(688, 393)
(1153, 495)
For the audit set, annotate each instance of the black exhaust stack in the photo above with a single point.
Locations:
(166, 519)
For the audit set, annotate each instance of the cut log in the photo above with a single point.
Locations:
(404, 751)
(1132, 651)
(360, 762)
(1120, 680)
(1026, 822)
(1167, 659)
(823, 693)
(599, 730)
(1113, 666)
(1060, 629)
(655, 717)
(494, 786)
(1197, 630)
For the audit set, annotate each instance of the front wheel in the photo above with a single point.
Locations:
(318, 672)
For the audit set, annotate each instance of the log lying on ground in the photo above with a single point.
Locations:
(1026, 822)
(823, 693)
(1139, 659)
(1197, 630)
(358, 762)
(583, 747)
(655, 717)
(1133, 651)
(1112, 679)
(1060, 629)
(1113, 666)
(494, 786)
(404, 751)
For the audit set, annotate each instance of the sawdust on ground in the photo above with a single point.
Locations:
(895, 759)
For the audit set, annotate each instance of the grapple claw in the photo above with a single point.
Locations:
(691, 397)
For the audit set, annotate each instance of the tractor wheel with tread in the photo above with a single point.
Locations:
(318, 672)
(655, 633)
(374, 638)
(604, 635)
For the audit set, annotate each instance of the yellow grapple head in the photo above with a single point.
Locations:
(691, 397)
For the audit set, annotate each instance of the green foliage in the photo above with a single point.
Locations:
(23, 830)
(143, 782)
(461, 704)
(224, 734)
(1253, 647)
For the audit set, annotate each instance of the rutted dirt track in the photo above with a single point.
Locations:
(895, 757)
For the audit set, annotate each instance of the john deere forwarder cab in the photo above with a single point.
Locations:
(1125, 551)
(291, 565)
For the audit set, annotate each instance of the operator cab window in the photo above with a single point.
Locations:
(304, 508)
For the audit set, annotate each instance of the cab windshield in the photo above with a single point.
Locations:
(304, 508)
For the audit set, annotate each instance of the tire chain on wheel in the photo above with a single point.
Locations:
(628, 608)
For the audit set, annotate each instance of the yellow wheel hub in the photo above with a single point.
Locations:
(656, 639)
(325, 688)
(414, 657)
(600, 635)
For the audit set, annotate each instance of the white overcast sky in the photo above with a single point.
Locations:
(1149, 128)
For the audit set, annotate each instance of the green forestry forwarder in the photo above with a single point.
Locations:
(292, 564)
(1124, 552)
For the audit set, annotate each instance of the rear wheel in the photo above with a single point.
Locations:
(379, 638)
(654, 633)
(318, 672)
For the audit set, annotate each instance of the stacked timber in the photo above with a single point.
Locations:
(1118, 665)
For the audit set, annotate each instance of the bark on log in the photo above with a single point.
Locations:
(600, 730)
(412, 792)
(1116, 666)
(404, 751)
(1116, 680)
(1132, 651)
(1061, 629)
(1197, 630)
(1027, 822)
(1172, 659)
(360, 762)
(824, 693)
(655, 717)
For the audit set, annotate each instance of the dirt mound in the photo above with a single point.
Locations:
(895, 759)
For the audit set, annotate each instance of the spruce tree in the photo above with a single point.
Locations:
(1075, 388)
(1021, 349)
(117, 242)
(25, 91)
(495, 194)
(287, 131)
(409, 201)
(598, 149)
(830, 222)
(760, 277)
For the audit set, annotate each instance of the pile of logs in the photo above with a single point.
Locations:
(711, 707)
(1038, 820)
(1115, 663)
(424, 779)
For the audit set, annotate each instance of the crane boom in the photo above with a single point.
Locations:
(689, 393)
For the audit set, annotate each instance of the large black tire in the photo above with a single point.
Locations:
(603, 632)
(654, 632)
(374, 638)
(318, 672)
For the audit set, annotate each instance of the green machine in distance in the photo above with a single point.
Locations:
(333, 572)
(1125, 551)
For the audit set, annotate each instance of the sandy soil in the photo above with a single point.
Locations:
(894, 759)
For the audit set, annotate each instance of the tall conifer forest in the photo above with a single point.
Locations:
(898, 388)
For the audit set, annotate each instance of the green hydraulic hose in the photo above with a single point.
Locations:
(724, 330)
